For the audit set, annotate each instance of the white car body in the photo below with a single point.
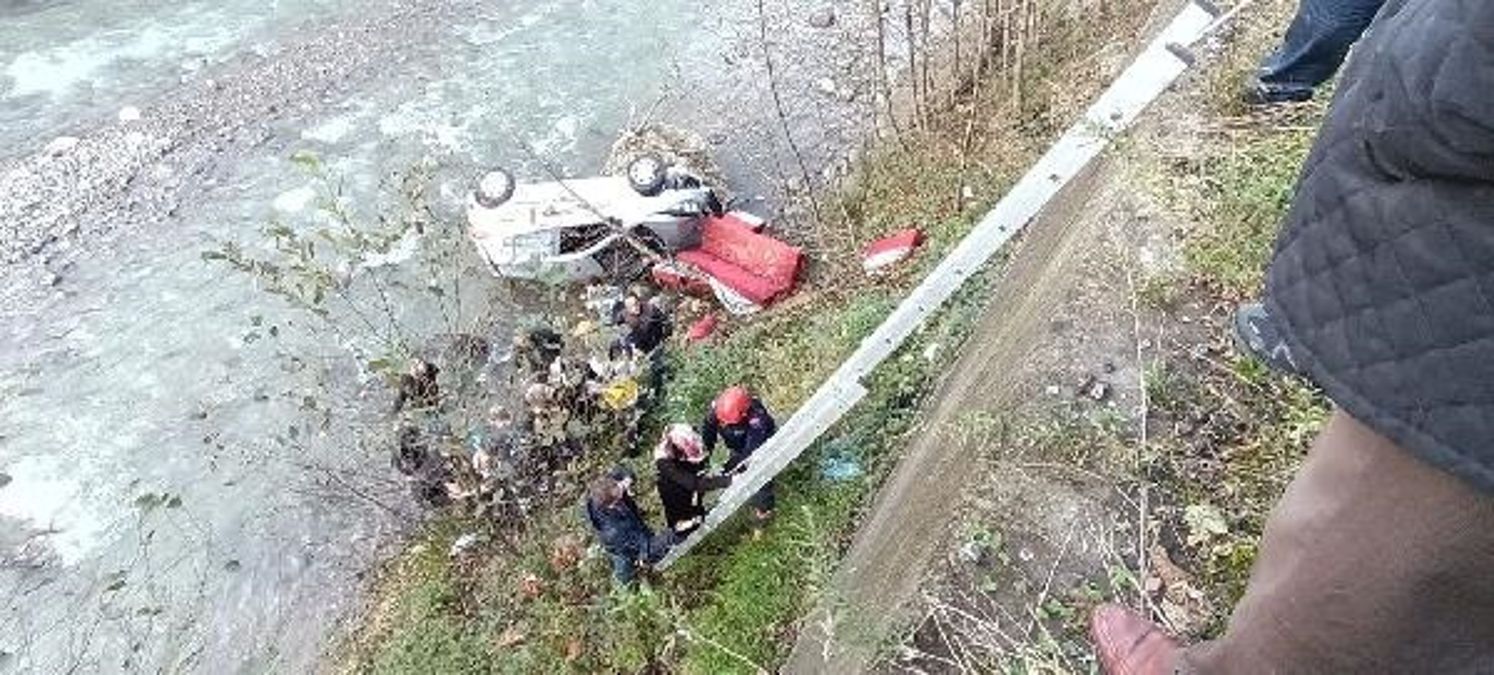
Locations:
(535, 233)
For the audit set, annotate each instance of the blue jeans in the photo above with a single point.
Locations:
(1316, 44)
(625, 566)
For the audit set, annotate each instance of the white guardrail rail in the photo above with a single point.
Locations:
(1153, 71)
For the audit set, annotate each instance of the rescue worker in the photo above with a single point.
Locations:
(620, 527)
(417, 387)
(743, 424)
(681, 461)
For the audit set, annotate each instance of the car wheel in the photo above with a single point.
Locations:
(494, 188)
(646, 174)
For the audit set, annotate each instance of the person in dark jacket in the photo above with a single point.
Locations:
(645, 324)
(1315, 45)
(743, 424)
(620, 527)
(681, 461)
(1378, 558)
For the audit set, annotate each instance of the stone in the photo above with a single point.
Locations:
(973, 552)
(61, 145)
(822, 18)
(826, 86)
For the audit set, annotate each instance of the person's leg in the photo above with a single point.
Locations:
(1373, 561)
(763, 501)
(623, 569)
(1315, 45)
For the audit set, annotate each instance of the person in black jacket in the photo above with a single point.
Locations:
(743, 424)
(681, 461)
(1378, 557)
(620, 526)
(645, 324)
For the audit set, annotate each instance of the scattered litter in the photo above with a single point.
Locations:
(531, 586)
(825, 85)
(511, 637)
(840, 462)
(822, 18)
(974, 551)
(465, 543)
(565, 554)
(1051, 390)
(1095, 389)
(890, 250)
(931, 352)
(702, 328)
(840, 468)
(129, 113)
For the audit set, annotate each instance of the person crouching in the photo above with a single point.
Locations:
(620, 526)
(680, 459)
(743, 424)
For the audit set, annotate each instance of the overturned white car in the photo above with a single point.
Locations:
(587, 228)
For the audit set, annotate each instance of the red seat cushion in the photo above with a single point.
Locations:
(758, 254)
(758, 289)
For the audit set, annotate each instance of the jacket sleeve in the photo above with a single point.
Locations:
(693, 482)
(708, 431)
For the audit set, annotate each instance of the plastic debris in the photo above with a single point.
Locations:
(702, 328)
(891, 250)
(465, 543)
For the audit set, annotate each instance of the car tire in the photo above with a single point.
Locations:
(646, 174)
(494, 188)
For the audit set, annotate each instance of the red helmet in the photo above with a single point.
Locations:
(732, 405)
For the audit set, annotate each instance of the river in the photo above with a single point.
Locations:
(153, 514)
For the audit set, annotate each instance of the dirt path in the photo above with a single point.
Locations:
(1049, 315)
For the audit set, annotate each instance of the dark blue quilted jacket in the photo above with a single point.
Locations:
(1383, 276)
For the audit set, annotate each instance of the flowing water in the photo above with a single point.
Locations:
(153, 515)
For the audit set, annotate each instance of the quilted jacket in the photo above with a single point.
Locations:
(1383, 276)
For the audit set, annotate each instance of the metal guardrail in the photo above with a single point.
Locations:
(1165, 59)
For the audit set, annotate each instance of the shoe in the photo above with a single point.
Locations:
(1259, 94)
(1128, 644)
(1258, 336)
